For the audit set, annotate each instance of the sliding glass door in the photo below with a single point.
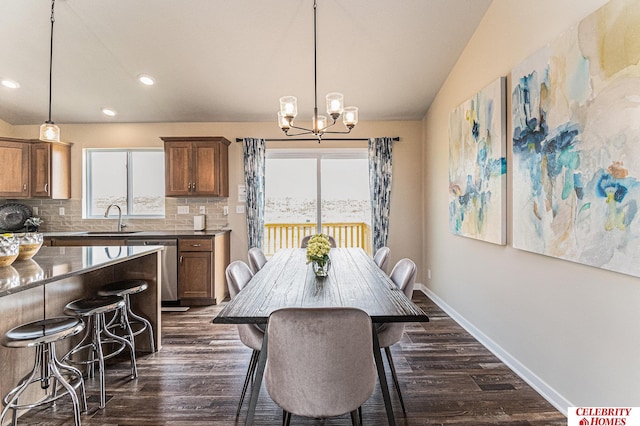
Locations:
(309, 191)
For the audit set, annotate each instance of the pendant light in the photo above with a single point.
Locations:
(335, 104)
(49, 132)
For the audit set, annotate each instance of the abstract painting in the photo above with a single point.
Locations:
(477, 166)
(575, 107)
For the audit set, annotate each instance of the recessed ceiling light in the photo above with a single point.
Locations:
(109, 112)
(146, 79)
(10, 83)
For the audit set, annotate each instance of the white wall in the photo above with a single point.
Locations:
(572, 328)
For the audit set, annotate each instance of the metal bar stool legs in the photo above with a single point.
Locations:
(93, 310)
(125, 289)
(47, 369)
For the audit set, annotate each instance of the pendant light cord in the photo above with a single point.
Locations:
(53, 3)
(315, 68)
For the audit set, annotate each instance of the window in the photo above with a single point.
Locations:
(307, 190)
(131, 178)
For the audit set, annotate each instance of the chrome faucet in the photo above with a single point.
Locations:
(106, 214)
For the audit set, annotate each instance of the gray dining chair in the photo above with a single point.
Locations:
(238, 275)
(381, 258)
(404, 276)
(305, 241)
(320, 361)
(257, 259)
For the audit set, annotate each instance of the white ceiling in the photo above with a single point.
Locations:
(227, 60)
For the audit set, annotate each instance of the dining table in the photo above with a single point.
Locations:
(287, 280)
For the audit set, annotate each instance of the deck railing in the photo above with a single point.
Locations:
(289, 235)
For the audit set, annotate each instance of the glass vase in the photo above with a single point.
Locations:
(321, 269)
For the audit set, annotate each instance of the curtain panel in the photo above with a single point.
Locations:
(380, 187)
(254, 150)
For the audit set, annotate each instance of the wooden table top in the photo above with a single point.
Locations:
(288, 281)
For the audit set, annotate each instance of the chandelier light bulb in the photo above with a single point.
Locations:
(350, 117)
(49, 132)
(289, 107)
(283, 122)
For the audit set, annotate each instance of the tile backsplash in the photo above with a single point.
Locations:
(53, 221)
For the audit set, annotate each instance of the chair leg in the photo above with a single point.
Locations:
(387, 351)
(252, 367)
(137, 318)
(70, 390)
(286, 418)
(355, 420)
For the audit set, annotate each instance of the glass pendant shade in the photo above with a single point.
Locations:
(321, 124)
(335, 104)
(49, 132)
(289, 106)
(350, 117)
(283, 122)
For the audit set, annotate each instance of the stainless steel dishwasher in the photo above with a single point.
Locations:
(169, 274)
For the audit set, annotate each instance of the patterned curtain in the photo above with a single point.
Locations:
(380, 188)
(254, 162)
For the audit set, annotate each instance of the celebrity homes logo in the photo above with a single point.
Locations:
(603, 416)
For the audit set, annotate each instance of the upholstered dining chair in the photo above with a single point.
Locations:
(404, 276)
(381, 258)
(320, 361)
(238, 275)
(305, 241)
(257, 259)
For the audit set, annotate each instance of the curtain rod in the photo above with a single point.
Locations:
(396, 138)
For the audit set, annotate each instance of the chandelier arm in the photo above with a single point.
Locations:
(305, 132)
(53, 4)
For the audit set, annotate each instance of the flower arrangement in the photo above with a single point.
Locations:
(318, 253)
(33, 223)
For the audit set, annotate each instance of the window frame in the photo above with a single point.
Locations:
(86, 173)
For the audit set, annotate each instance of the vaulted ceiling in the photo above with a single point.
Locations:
(227, 60)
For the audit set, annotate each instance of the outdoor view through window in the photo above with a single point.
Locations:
(132, 179)
(295, 186)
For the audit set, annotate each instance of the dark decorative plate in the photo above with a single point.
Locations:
(13, 215)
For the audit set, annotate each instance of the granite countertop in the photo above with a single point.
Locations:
(138, 234)
(56, 263)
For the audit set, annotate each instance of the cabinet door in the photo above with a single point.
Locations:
(14, 173)
(177, 162)
(195, 275)
(205, 156)
(41, 169)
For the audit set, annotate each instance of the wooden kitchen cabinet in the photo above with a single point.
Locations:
(196, 166)
(35, 169)
(201, 267)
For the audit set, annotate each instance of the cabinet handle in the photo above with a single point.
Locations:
(189, 186)
(181, 259)
(46, 187)
(194, 186)
(196, 245)
(24, 187)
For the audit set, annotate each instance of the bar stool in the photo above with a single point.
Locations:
(92, 310)
(125, 289)
(42, 335)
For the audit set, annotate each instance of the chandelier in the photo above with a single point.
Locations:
(49, 132)
(335, 105)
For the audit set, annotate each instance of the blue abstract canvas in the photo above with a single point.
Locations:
(477, 166)
(575, 108)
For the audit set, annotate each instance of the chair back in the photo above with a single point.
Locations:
(257, 259)
(305, 241)
(381, 258)
(404, 276)
(320, 360)
(238, 275)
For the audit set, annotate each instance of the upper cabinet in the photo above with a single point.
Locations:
(35, 169)
(196, 166)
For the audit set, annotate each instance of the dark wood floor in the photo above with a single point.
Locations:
(447, 378)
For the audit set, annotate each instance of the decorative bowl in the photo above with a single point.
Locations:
(9, 249)
(30, 243)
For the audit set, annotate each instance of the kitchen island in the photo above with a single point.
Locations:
(40, 288)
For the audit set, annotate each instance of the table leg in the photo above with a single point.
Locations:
(382, 378)
(257, 381)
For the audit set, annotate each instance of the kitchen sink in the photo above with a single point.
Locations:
(108, 233)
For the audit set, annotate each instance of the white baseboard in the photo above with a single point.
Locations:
(539, 385)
